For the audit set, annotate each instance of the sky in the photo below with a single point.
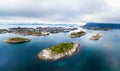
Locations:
(59, 11)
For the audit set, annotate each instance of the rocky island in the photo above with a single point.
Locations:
(59, 51)
(96, 37)
(77, 34)
(17, 40)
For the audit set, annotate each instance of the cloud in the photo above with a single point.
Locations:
(59, 11)
(109, 13)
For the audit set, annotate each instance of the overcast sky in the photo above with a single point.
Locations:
(60, 11)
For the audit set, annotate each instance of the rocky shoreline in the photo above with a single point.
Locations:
(46, 54)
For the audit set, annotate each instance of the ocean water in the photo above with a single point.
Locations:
(101, 55)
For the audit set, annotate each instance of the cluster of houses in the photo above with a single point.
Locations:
(37, 31)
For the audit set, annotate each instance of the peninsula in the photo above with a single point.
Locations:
(16, 40)
(77, 34)
(59, 51)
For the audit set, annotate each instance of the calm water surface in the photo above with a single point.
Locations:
(101, 55)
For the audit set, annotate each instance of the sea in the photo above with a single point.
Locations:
(100, 55)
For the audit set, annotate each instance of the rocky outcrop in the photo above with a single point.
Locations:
(46, 54)
(77, 34)
(17, 41)
(96, 37)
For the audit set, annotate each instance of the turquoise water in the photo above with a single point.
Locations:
(101, 55)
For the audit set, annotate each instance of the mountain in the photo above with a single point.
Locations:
(103, 26)
(38, 24)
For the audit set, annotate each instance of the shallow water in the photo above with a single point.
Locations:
(101, 55)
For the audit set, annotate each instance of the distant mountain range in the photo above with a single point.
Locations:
(101, 26)
(37, 24)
